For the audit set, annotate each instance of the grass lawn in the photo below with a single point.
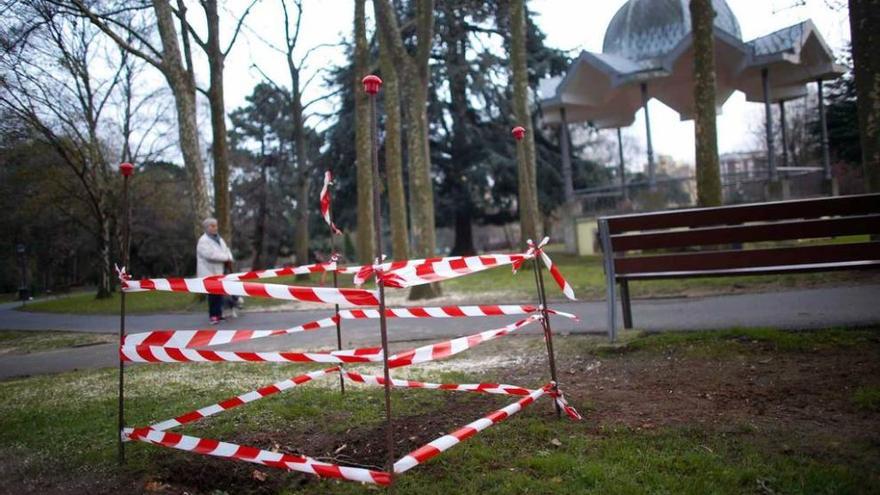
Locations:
(26, 342)
(744, 411)
(490, 286)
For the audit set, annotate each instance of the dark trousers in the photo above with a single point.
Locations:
(215, 305)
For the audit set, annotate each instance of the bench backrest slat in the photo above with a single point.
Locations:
(721, 260)
(863, 204)
(777, 231)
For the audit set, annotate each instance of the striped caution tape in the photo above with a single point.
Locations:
(242, 399)
(163, 354)
(280, 272)
(325, 203)
(435, 447)
(255, 455)
(211, 337)
(330, 295)
(537, 250)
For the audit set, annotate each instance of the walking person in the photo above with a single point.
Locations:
(212, 255)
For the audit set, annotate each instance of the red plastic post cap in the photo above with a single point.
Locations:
(372, 83)
(126, 169)
(518, 132)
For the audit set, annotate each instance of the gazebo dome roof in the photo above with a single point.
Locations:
(646, 29)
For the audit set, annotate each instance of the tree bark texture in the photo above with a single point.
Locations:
(525, 151)
(415, 78)
(864, 18)
(303, 168)
(184, 91)
(393, 151)
(364, 241)
(219, 146)
(705, 133)
(456, 63)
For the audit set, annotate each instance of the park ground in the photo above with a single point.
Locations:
(739, 411)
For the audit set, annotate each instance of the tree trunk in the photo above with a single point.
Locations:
(705, 135)
(525, 151)
(456, 69)
(864, 19)
(393, 152)
(301, 235)
(415, 75)
(183, 89)
(219, 147)
(260, 224)
(104, 270)
(362, 139)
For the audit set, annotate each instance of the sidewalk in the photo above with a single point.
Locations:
(795, 309)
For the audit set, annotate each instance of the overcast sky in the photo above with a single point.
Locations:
(568, 24)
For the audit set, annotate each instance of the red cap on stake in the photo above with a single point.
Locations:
(126, 169)
(518, 132)
(372, 83)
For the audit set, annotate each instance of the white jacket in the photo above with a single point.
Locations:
(210, 256)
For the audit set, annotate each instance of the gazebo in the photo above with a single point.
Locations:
(648, 53)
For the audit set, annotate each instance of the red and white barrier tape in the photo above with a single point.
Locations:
(488, 388)
(210, 337)
(450, 312)
(554, 270)
(330, 295)
(280, 272)
(160, 354)
(417, 272)
(435, 447)
(325, 203)
(257, 456)
(451, 347)
(241, 400)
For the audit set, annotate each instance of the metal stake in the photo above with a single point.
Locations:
(371, 86)
(336, 306)
(545, 322)
(126, 170)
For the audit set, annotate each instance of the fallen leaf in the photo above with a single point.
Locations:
(556, 442)
(259, 475)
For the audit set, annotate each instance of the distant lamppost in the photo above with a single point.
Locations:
(23, 292)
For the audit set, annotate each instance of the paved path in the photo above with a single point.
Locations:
(794, 309)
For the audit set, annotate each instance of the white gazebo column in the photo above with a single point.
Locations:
(568, 207)
(621, 167)
(651, 181)
(830, 183)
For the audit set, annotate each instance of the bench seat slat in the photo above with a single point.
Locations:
(862, 204)
(730, 259)
(779, 231)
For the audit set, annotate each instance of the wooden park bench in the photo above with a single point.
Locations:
(708, 242)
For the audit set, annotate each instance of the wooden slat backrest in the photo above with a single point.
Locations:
(863, 204)
(777, 231)
(748, 258)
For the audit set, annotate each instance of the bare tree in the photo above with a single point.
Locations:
(362, 138)
(414, 69)
(178, 73)
(393, 150)
(864, 20)
(705, 134)
(49, 83)
(216, 55)
(527, 174)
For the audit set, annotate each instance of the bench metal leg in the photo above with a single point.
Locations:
(625, 305)
(608, 265)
